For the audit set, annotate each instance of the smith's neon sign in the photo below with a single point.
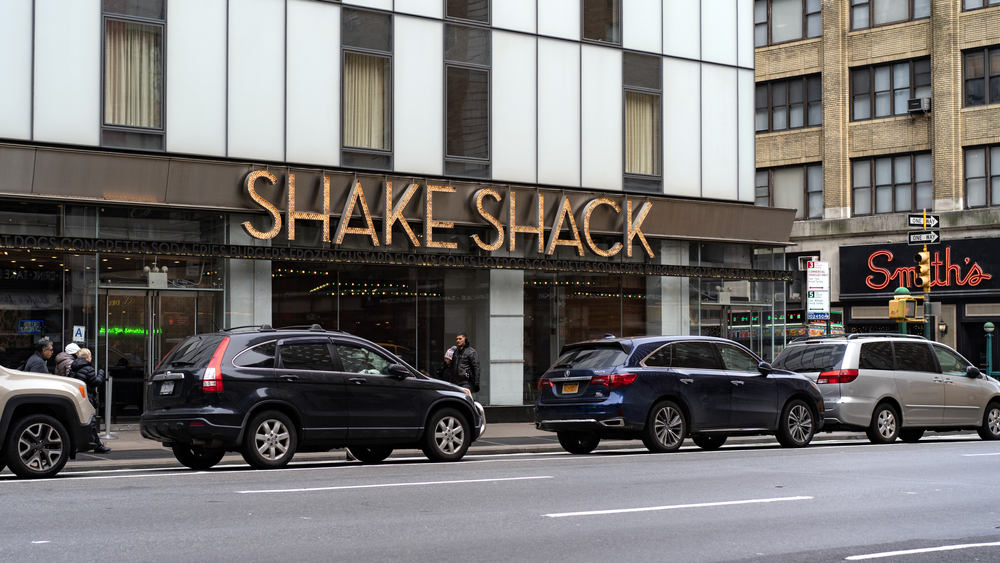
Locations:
(905, 275)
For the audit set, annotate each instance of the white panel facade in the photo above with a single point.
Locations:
(720, 147)
(418, 90)
(559, 18)
(745, 48)
(602, 126)
(642, 25)
(377, 4)
(514, 107)
(558, 113)
(681, 127)
(518, 15)
(68, 71)
(313, 82)
(682, 28)
(718, 31)
(196, 67)
(256, 79)
(429, 9)
(15, 60)
(747, 135)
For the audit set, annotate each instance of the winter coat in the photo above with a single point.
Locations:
(464, 368)
(63, 363)
(84, 371)
(36, 363)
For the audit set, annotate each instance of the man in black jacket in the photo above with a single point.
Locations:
(463, 365)
(38, 362)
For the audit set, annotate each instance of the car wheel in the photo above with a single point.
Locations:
(37, 447)
(796, 428)
(665, 428)
(911, 435)
(713, 442)
(447, 437)
(197, 457)
(578, 442)
(884, 426)
(990, 430)
(370, 454)
(270, 441)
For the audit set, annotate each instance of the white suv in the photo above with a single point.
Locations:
(895, 385)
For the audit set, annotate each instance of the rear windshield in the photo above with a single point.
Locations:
(811, 357)
(591, 357)
(193, 351)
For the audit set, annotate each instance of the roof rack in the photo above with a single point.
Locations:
(311, 328)
(819, 337)
(883, 334)
(232, 328)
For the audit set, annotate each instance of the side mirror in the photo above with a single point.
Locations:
(400, 371)
(973, 372)
(765, 368)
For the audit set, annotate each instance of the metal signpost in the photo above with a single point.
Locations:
(818, 292)
(923, 259)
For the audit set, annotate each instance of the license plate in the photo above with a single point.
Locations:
(166, 388)
(570, 387)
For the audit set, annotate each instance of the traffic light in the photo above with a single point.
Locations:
(902, 309)
(923, 279)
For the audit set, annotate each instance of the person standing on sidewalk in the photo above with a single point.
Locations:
(64, 360)
(462, 364)
(83, 370)
(38, 362)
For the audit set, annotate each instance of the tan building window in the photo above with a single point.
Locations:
(976, 4)
(982, 176)
(793, 187)
(870, 13)
(883, 91)
(780, 21)
(789, 104)
(981, 73)
(892, 184)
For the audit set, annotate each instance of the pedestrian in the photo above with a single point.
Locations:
(38, 362)
(83, 370)
(64, 359)
(462, 364)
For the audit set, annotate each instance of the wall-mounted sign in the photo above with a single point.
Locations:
(958, 267)
(79, 333)
(817, 290)
(30, 327)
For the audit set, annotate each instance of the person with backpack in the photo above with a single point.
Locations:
(83, 370)
(64, 359)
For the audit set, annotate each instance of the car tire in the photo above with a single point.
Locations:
(665, 428)
(578, 442)
(990, 430)
(370, 454)
(37, 447)
(796, 427)
(447, 436)
(197, 457)
(911, 435)
(884, 426)
(712, 442)
(269, 441)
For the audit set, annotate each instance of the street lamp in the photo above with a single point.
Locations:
(942, 328)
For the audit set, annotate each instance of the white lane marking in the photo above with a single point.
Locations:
(41, 542)
(674, 507)
(979, 455)
(384, 485)
(924, 550)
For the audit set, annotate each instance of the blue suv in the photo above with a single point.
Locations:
(663, 389)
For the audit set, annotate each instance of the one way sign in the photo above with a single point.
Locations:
(917, 238)
(917, 220)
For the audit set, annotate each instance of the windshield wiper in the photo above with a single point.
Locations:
(182, 363)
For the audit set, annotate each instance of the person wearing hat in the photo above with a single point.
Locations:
(64, 360)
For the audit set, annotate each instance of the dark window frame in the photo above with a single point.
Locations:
(658, 92)
(873, 186)
(871, 15)
(805, 25)
(987, 77)
(986, 4)
(786, 85)
(464, 21)
(583, 36)
(388, 153)
(805, 188)
(871, 93)
(457, 161)
(991, 171)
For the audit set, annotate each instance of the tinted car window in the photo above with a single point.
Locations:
(595, 357)
(260, 356)
(876, 355)
(194, 351)
(951, 363)
(358, 359)
(312, 356)
(811, 358)
(659, 358)
(914, 357)
(697, 355)
(737, 359)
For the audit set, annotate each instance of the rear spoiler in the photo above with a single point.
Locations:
(623, 345)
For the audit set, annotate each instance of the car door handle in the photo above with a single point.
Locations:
(358, 380)
(938, 380)
(686, 381)
(289, 377)
(736, 382)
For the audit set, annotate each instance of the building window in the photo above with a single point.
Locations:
(779, 21)
(982, 76)
(602, 21)
(367, 81)
(471, 10)
(976, 4)
(982, 177)
(882, 91)
(789, 104)
(467, 115)
(643, 123)
(892, 184)
(133, 74)
(870, 13)
(794, 187)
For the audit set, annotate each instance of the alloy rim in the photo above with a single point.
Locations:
(668, 426)
(272, 439)
(40, 447)
(449, 435)
(800, 424)
(994, 421)
(886, 423)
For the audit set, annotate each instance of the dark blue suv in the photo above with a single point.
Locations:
(662, 389)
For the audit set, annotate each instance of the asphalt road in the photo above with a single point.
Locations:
(827, 502)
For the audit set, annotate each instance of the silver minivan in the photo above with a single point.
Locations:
(893, 386)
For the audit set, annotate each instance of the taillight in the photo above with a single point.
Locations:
(211, 382)
(614, 381)
(543, 383)
(839, 376)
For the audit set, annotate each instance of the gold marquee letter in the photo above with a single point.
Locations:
(513, 229)
(633, 228)
(587, 211)
(430, 223)
(345, 218)
(291, 214)
(480, 194)
(565, 210)
(275, 214)
(393, 214)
